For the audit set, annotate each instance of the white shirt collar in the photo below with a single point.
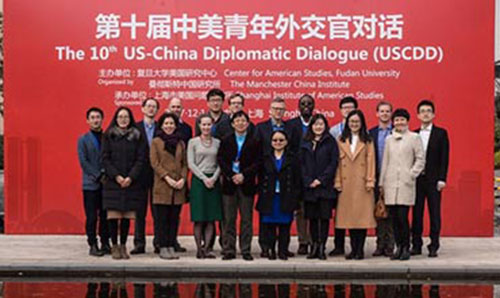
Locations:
(428, 128)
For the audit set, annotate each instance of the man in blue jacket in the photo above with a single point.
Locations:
(89, 155)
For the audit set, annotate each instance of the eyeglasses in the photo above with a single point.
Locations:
(218, 99)
(236, 103)
(278, 109)
(123, 117)
(278, 140)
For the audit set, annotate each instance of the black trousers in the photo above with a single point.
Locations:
(400, 225)
(358, 237)
(272, 232)
(140, 220)
(94, 214)
(339, 239)
(426, 189)
(319, 230)
(168, 223)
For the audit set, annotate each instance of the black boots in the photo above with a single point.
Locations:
(402, 253)
(313, 254)
(317, 251)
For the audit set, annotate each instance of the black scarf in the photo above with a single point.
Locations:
(170, 141)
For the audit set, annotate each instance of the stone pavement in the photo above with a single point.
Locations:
(67, 256)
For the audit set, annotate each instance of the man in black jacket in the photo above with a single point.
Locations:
(299, 126)
(148, 128)
(432, 180)
(385, 234)
(239, 159)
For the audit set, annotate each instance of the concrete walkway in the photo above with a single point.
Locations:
(67, 256)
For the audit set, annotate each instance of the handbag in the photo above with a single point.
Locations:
(380, 208)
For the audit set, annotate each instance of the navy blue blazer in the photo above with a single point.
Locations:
(89, 156)
(146, 178)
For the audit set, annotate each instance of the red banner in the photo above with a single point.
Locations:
(64, 56)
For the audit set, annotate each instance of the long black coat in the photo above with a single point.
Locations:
(250, 160)
(319, 164)
(290, 183)
(126, 156)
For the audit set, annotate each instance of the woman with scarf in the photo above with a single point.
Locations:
(168, 160)
(123, 157)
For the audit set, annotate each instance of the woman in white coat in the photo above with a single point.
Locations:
(403, 161)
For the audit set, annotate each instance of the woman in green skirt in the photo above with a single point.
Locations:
(205, 195)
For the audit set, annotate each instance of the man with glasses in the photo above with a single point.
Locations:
(239, 159)
(148, 128)
(236, 103)
(263, 133)
(346, 105)
(432, 180)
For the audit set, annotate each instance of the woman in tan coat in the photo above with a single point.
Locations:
(168, 160)
(355, 180)
(402, 163)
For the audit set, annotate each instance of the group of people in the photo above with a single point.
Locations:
(299, 169)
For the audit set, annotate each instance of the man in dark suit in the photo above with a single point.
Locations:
(432, 180)
(89, 156)
(299, 125)
(186, 132)
(263, 133)
(239, 159)
(385, 235)
(148, 128)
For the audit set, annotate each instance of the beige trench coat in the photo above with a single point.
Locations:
(403, 161)
(355, 179)
(163, 164)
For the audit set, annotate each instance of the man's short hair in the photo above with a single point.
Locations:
(215, 92)
(401, 113)
(234, 95)
(348, 99)
(306, 96)
(239, 114)
(425, 102)
(95, 109)
(144, 102)
(278, 100)
(384, 103)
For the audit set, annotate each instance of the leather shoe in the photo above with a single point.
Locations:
(336, 252)
(388, 252)
(289, 254)
(137, 250)
(378, 252)
(247, 257)
(350, 256)
(405, 254)
(282, 256)
(264, 253)
(157, 250)
(359, 256)
(432, 253)
(179, 248)
(416, 251)
(272, 255)
(106, 249)
(228, 256)
(94, 251)
(397, 254)
(303, 249)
